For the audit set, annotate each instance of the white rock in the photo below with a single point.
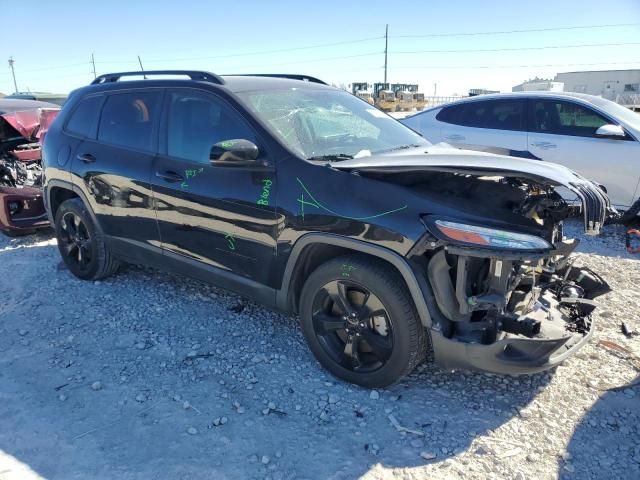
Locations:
(192, 431)
(428, 455)
(265, 460)
(374, 395)
(96, 386)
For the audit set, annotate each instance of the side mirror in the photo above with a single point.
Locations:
(612, 131)
(238, 152)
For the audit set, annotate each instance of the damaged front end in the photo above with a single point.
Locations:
(507, 298)
(22, 129)
(506, 311)
(502, 290)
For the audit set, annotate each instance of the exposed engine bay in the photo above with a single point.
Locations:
(491, 296)
(23, 124)
(501, 285)
(19, 172)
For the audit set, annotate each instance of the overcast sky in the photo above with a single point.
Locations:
(52, 42)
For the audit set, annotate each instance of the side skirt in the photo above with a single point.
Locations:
(149, 255)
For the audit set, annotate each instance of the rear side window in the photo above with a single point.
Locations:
(84, 118)
(450, 114)
(128, 119)
(565, 118)
(493, 114)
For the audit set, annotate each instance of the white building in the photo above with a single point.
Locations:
(537, 85)
(622, 86)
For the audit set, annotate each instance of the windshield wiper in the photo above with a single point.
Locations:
(336, 157)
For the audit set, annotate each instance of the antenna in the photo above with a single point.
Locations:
(13, 73)
(93, 62)
(141, 67)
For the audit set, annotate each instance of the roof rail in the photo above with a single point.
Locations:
(292, 76)
(192, 74)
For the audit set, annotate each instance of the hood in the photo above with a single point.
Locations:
(444, 158)
(23, 122)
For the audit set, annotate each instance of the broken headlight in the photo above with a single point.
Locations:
(490, 237)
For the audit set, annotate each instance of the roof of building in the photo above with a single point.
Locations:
(602, 71)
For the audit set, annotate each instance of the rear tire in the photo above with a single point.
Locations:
(360, 321)
(81, 244)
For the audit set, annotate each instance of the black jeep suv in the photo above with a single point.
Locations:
(308, 200)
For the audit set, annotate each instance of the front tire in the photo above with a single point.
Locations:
(360, 321)
(80, 242)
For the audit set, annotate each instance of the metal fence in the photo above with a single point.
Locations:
(435, 101)
(629, 100)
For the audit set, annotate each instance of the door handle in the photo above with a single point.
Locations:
(86, 158)
(544, 145)
(170, 176)
(454, 137)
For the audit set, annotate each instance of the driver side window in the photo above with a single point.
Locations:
(197, 121)
(565, 118)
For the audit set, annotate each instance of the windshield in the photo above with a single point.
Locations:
(319, 123)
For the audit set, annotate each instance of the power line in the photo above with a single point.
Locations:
(515, 49)
(541, 65)
(316, 60)
(504, 32)
(261, 52)
(463, 67)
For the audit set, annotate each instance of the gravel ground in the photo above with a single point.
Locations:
(148, 375)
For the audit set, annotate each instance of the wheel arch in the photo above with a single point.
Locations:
(314, 249)
(57, 191)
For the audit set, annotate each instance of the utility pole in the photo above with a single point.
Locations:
(435, 89)
(93, 63)
(13, 73)
(386, 44)
(141, 68)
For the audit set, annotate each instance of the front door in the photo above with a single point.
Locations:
(220, 216)
(564, 132)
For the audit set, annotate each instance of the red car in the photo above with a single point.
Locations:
(23, 124)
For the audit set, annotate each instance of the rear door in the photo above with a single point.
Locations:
(113, 169)
(564, 132)
(219, 216)
(497, 126)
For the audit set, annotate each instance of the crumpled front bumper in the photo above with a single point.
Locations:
(31, 214)
(509, 355)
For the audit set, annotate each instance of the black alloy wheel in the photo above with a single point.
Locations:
(353, 326)
(81, 243)
(76, 242)
(360, 321)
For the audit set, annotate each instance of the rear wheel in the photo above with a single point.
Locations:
(80, 243)
(360, 322)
